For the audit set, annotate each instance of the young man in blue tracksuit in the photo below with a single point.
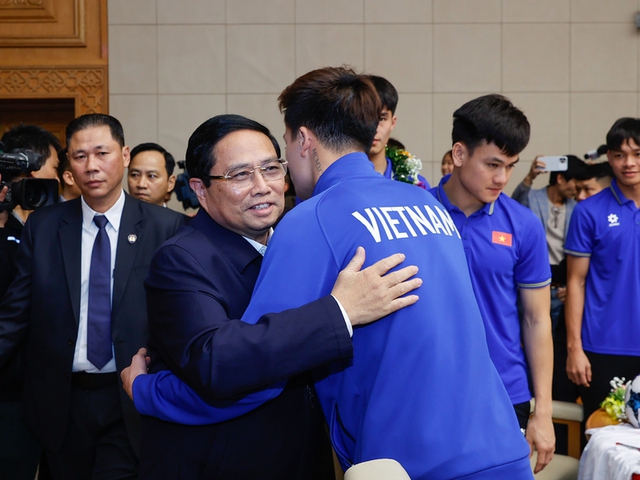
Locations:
(387, 401)
(421, 387)
(603, 267)
(507, 255)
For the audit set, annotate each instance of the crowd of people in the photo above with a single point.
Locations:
(380, 318)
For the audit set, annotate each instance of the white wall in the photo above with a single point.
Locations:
(571, 65)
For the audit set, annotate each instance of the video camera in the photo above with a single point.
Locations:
(183, 190)
(28, 193)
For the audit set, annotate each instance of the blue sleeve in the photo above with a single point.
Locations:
(165, 396)
(532, 269)
(297, 252)
(580, 235)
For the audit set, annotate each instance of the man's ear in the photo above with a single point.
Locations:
(67, 178)
(394, 119)
(305, 140)
(560, 179)
(458, 153)
(171, 183)
(198, 188)
(126, 155)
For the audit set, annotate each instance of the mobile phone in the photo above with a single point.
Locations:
(555, 164)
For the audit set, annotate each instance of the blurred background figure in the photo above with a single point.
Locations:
(150, 176)
(596, 177)
(446, 167)
(19, 450)
(68, 188)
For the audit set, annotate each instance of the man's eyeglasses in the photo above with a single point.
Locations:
(243, 177)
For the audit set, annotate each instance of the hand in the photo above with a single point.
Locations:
(579, 368)
(562, 293)
(139, 366)
(537, 167)
(370, 294)
(540, 434)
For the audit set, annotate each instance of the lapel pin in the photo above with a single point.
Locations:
(132, 238)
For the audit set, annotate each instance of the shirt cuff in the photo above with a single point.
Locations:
(345, 317)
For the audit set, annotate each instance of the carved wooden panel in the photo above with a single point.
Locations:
(42, 23)
(86, 85)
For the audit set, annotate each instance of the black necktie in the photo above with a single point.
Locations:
(99, 350)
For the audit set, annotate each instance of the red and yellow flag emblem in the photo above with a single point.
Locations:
(501, 238)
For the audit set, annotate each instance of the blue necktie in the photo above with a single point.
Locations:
(99, 350)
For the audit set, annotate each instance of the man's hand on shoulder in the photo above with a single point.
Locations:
(370, 294)
(139, 366)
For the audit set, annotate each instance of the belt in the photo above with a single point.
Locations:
(90, 381)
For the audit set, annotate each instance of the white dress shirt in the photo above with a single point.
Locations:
(89, 233)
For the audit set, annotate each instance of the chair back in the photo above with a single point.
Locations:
(379, 469)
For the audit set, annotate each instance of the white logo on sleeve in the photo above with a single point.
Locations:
(613, 220)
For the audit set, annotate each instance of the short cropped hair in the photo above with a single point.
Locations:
(200, 157)
(596, 170)
(169, 161)
(63, 164)
(576, 168)
(339, 106)
(31, 137)
(622, 130)
(494, 119)
(91, 120)
(386, 91)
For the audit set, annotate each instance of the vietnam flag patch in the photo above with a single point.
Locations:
(501, 238)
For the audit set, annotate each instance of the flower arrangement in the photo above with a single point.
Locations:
(405, 166)
(614, 403)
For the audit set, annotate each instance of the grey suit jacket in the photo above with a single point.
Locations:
(538, 202)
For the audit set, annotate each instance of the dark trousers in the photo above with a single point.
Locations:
(19, 450)
(96, 445)
(523, 411)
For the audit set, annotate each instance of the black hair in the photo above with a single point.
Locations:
(91, 120)
(386, 91)
(493, 119)
(622, 131)
(63, 164)
(596, 170)
(339, 106)
(396, 144)
(31, 137)
(576, 168)
(169, 161)
(200, 157)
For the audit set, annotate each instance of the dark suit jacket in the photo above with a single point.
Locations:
(42, 305)
(198, 281)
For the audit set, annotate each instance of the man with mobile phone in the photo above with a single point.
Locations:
(553, 205)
